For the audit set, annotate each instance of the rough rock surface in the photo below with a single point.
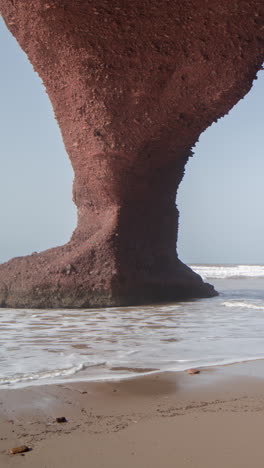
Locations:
(133, 85)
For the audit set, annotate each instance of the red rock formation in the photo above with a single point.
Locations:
(132, 84)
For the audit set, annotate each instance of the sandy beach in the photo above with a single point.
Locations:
(212, 419)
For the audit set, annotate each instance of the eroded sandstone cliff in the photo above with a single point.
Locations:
(132, 84)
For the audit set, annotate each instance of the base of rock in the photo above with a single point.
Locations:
(54, 280)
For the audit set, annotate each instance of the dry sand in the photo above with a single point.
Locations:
(212, 419)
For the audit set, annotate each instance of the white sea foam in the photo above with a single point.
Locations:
(229, 271)
(45, 375)
(243, 305)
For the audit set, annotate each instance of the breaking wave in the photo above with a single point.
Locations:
(229, 271)
(243, 305)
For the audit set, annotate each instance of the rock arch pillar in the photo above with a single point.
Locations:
(132, 88)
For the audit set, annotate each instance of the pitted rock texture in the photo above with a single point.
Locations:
(133, 85)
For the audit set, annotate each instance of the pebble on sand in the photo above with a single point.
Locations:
(20, 449)
(61, 419)
(193, 371)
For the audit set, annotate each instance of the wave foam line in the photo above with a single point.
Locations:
(225, 271)
(51, 374)
(244, 305)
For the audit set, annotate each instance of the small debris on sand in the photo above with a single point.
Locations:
(20, 449)
(61, 419)
(193, 371)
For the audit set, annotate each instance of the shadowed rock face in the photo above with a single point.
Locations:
(132, 84)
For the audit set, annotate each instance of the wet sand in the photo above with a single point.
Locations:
(212, 419)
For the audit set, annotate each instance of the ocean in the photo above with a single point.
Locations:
(55, 346)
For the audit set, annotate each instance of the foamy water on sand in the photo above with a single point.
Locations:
(52, 346)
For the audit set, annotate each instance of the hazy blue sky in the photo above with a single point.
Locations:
(220, 198)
